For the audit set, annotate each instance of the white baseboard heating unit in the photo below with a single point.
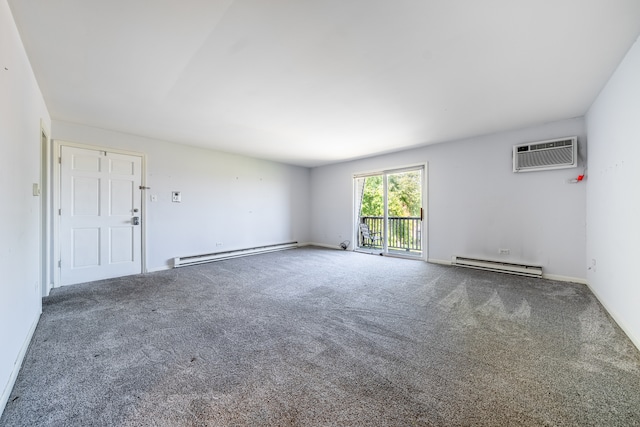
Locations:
(498, 266)
(219, 256)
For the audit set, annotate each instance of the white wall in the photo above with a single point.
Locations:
(613, 195)
(238, 201)
(476, 204)
(21, 109)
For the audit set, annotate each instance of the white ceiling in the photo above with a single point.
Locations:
(312, 82)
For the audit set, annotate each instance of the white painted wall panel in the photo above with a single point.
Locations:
(238, 201)
(613, 195)
(21, 109)
(476, 204)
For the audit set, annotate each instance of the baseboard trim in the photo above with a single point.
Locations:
(439, 261)
(634, 339)
(17, 365)
(156, 269)
(322, 245)
(564, 278)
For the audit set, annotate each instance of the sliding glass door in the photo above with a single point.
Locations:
(404, 213)
(389, 212)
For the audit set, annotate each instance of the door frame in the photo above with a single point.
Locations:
(56, 190)
(46, 211)
(425, 220)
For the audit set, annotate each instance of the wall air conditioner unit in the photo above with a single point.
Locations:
(545, 155)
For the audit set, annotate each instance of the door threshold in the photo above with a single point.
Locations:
(369, 251)
(391, 254)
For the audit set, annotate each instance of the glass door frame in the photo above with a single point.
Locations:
(385, 232)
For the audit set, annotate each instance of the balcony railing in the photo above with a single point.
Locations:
(404, 233)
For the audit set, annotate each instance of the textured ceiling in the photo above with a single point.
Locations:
(321, 81)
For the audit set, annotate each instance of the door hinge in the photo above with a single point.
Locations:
(59, 160)
(59, 211)
(59, 263)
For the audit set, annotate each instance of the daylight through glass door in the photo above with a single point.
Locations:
(389, 212)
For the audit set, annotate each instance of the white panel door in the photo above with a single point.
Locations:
(100, 201)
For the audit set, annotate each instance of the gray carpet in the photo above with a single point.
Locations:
(316, 337)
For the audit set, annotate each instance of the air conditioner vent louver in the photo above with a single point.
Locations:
(545, 155)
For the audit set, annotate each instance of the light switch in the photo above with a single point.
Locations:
(36, 189)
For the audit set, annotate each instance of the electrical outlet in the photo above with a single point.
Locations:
(218, 243)
(154, 198)
(176, 197)
(504, 251)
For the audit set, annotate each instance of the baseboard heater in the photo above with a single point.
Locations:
(499, 266)
(219, 256)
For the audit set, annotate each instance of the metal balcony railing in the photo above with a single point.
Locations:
(404, 233)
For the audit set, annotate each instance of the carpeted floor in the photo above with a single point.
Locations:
(316, 337)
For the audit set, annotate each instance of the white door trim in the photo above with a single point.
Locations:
(55, 192)
(46, 210)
